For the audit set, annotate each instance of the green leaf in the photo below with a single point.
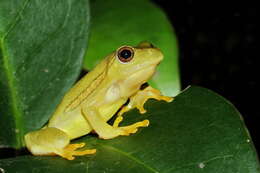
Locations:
(42, 44)
(116, 23)
(198, 132)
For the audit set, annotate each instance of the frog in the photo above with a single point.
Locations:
(113, 87)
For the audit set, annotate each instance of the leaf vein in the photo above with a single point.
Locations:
(131, 157)
(17, 18)
(51, 36)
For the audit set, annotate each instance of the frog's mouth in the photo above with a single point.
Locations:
(144, 85)
(141, 75)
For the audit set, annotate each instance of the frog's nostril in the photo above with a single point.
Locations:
(151, 45)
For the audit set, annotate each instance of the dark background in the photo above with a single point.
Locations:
(218, 50)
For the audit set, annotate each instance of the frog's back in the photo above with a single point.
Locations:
(81, 90)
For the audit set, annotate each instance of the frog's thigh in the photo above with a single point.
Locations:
(104, 130)
(52, 141)
(46, 141)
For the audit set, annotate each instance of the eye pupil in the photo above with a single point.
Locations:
(125, 54)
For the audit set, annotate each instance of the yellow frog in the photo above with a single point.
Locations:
(96, 98)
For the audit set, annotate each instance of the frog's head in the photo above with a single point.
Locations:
(135, 65)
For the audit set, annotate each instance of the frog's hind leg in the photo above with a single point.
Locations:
(52, 141)
(106, 131)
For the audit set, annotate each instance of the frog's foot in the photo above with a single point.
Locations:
(110, 132)
(71, 150)
(106, 131)
(127, 130)
(142, 96)
(53, 141)
(138, 100)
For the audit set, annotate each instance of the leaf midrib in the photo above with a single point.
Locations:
(130, 157)
(8, 69)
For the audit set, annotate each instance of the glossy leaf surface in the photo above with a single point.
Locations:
(198, 132)
(42, 44)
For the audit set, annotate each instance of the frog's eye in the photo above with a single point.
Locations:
(125, 54)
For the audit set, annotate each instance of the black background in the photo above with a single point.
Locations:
(218, 50)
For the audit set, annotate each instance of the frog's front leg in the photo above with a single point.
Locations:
(106, 131)
(53, 141)
(138, 100)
